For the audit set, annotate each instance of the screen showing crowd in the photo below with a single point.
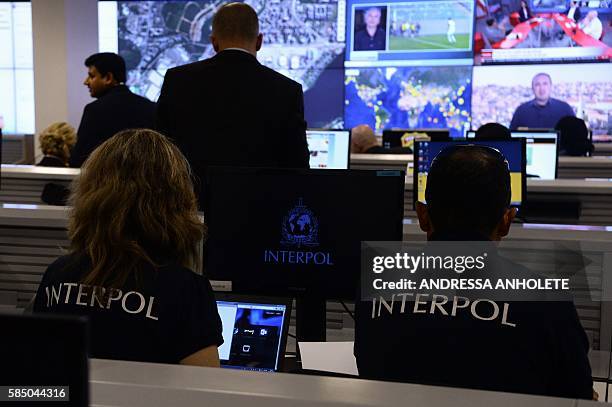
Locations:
(511, 31)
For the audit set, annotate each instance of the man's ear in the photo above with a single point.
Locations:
(109, 78)
(423, 215)
(215, 43)
(503, 227)
(259, 41)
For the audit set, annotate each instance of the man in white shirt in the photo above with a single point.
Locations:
(591, 25)
(450, 35)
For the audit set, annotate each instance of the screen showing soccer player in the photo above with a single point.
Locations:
(510, 31)
(381, 32)
(538, 96)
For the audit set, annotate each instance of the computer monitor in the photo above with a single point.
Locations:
(286, 231)
(329, 149)
(406, 137)
(47, 350)
(254, 331)
(513, 150)
(542, 152)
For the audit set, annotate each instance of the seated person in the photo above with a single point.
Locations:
(493, 131)
(56, 142)
(493, 33)
(363, 141)
(543, 350)
(573, 137)
(135, 232)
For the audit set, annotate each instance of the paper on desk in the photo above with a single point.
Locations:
(329, 356)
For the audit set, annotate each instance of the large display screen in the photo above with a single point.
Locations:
(409, 98)
(542, 30)
(16, 68)
(584, 90)
(303, 40)
(407, 32)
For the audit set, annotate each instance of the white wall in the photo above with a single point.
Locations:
(65, 32)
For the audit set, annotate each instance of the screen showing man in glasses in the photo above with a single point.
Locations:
(513, 151)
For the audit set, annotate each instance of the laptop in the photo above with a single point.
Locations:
(329, 149)
(254, 331)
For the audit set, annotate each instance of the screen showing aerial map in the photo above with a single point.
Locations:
(303, 40)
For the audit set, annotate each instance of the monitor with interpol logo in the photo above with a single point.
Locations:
(279, 231)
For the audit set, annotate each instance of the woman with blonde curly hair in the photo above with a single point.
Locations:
(56, 142)
(135, 232)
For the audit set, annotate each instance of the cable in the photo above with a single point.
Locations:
(347, 310)
(291, 335)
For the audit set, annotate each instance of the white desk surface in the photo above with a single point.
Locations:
(118, 383)
(33, 171)
(33, 215)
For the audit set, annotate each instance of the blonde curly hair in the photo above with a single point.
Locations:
(58, 139)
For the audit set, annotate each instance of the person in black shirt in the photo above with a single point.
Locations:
(56, 142)
(541, 348)
(371, 37)
(115, 109)
(135, 232)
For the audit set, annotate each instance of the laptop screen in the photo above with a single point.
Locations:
(329, 148)
(254, 335)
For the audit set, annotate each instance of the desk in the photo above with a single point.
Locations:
(119, 383)
(25, 183)
(603, 149)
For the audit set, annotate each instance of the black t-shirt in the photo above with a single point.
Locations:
(169, 314)
(535, 347)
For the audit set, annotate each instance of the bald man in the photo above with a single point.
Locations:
(230, 110)
(543, 111)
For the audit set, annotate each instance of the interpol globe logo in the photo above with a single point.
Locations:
(300, 227)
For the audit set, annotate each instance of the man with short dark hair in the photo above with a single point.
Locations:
(543, 111)
(115, 109)
(230, 110)
(493, 131)
(538, 347)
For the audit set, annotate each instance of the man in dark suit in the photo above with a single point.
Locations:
(230, 110)
(115, 109)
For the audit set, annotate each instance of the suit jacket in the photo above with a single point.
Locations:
(577, 14)
(118, 109)
(230, 110)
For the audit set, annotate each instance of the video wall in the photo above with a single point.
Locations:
(16, 68)
(452, 64)
(391, 64)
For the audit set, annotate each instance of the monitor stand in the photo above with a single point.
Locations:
(311, 317)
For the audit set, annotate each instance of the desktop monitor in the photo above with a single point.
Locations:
(542, 152)
(406, 137)
(279, 231)
(513, 150)
(254, 331)
(49, 351)
(329, 148)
